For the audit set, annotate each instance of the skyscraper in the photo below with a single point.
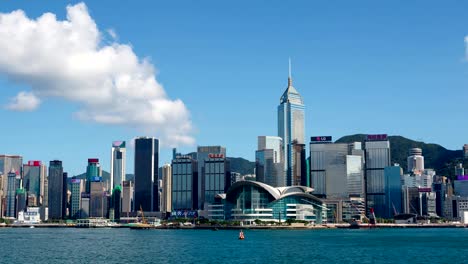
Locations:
(465, 151)
(146, 173)
(299, 166)
(93, 173)
(393, 194)
(166, 205)
(184, 183)
(127, 197)
(11, 194)
(57, 197)
(77, 188)
(202, 154)
(291, 126)
(269, 166)
(377, 151)
(216, 177)
(7, 163)
(118, 161)
(34, 181)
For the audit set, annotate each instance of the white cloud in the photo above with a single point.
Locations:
(112, 33)
(68, 59)
(24, 101)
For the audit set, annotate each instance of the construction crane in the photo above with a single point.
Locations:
(143, 220)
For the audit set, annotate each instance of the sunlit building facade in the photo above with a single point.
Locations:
(248, 201)
(291, 126)
(118, 162)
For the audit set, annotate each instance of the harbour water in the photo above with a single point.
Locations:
(73, 245)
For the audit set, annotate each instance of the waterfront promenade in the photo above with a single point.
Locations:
(258, 227)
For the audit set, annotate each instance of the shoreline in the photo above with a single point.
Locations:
(214, 228)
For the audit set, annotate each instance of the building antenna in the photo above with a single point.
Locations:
(289, 75)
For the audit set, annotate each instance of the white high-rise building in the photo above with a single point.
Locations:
(166, 196)
(415, 161)
(118, 161)
(269, 166)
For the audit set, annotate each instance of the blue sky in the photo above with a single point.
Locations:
(361, 67)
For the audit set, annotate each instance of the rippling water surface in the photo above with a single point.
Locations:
(70, 245)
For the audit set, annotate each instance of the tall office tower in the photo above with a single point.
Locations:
(336, 169)
(377, 151)
(98, 200)
(93, 173)
(393, 193)
(328, 168)
(291, 126)
(465, 151)
(20, 200)
(184, 183)
(146, 174)
(118, 161)
(269, 165)
(7, 163)
(202, 154)
(11, 193)
(166, 205)
(34, 181)
(216, 177)
(57, 194)
(415, 161)
(78, 187)
(127, 197)
(299, 166)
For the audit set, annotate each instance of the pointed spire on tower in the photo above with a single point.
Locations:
(289, 75)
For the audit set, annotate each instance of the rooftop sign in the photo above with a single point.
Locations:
(378, 137)
(321, 139)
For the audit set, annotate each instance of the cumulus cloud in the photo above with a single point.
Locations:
(24, 101)
(68, 59)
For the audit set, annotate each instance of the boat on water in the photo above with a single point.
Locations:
(354, 224)
(241, 235)
(143, 224)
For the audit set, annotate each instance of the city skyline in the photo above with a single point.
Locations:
(338, 87)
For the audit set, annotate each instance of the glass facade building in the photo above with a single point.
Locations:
(216, 178)
(11, 194)
(93, 173)
(247, 201)
(57, 190)
(377, 156)
(269, 165)
(203, 153)
(291, 126)
(34, 181)
(333, 172)
(77, 188)
(184, 183)
(7, 163)
(146, 174)
(118, 162)
(393, 194)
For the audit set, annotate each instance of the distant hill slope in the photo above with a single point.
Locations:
(105, 175)
(435, 156)
(242, 165)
